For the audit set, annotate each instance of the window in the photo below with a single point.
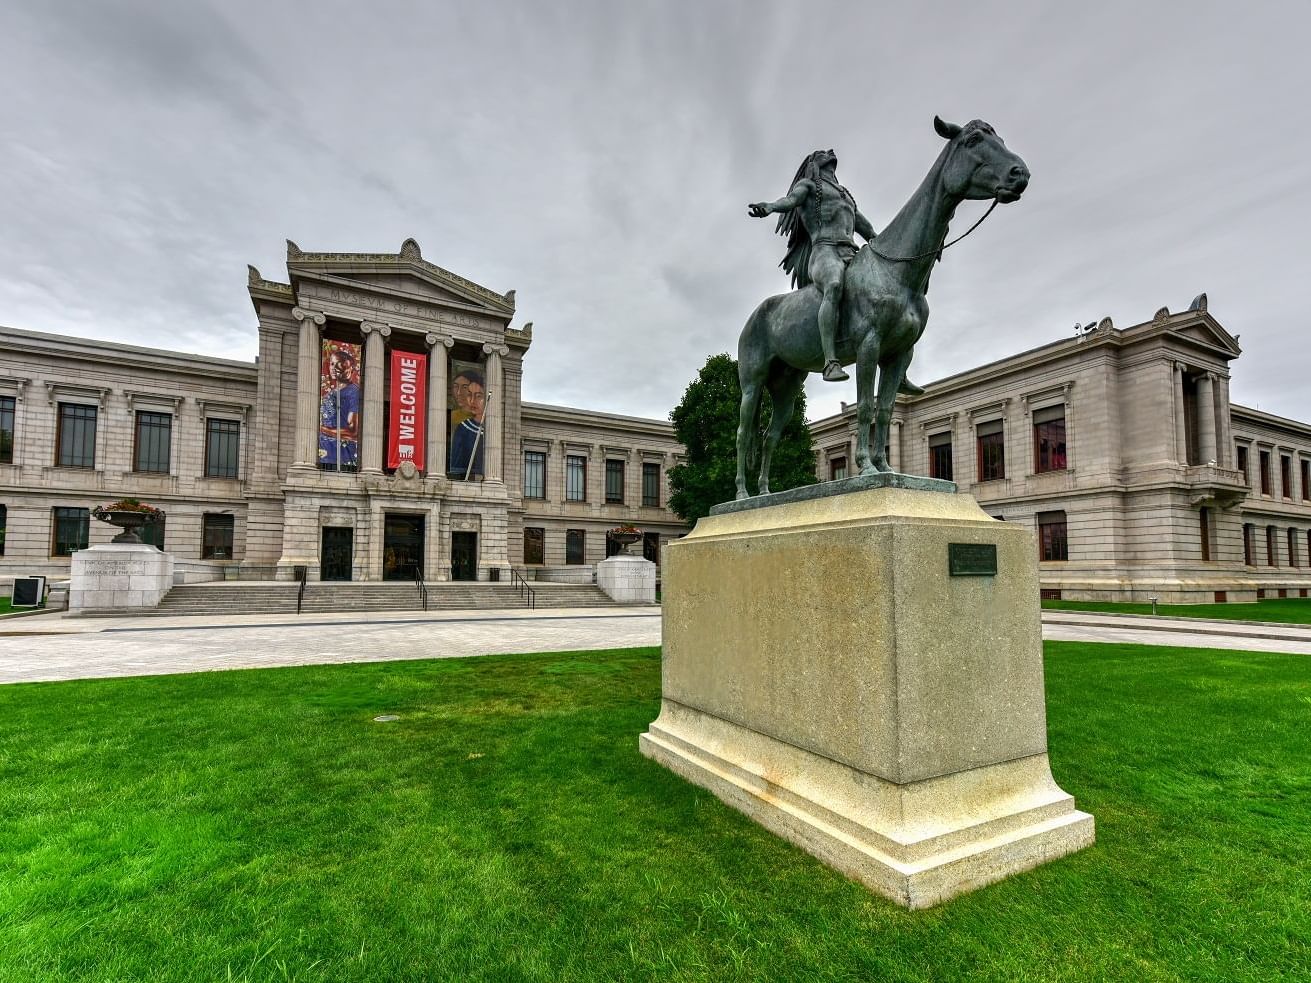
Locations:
(4, 521)
(1049, 439)
(1249, 533)
(76, 440)
(575, 479)
(1242, 464)
(534, 545)
(1265, 472)
(222, 442)
(837, 468)
(575, 542)
(651, 485)
(1204, 517)
(991, 451)
(1270, 546)
(1052, 541)
(534, 475)
(216, 536)
(1286, 475)
(1292, 547)
(72, 531)
(940, 456)
(7, 404)
(153, 533)
(153, 436)
(614, 482)
(651, 546)
(1306, 481)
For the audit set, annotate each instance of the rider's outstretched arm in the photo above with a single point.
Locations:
(864, 227)
(785, 204)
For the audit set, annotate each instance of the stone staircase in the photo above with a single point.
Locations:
(228, 598)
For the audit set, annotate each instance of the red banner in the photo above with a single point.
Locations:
(409, 408)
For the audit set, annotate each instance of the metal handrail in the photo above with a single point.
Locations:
(300, 593)
(517, 579)
(422, 587)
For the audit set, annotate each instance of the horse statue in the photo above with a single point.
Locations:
(883, 309)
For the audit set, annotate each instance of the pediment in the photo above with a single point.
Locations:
(405, 275)
(1203, 329)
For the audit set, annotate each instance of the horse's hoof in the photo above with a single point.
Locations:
(741, 495)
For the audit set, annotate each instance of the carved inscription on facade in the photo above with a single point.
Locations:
(393, 305)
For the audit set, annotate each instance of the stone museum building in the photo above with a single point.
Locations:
(381, 432)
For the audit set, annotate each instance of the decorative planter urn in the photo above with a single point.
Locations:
(625, 539)
(127, 520)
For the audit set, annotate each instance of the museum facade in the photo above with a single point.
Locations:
(381, 434)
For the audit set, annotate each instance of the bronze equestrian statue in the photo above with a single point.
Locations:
(863, 306)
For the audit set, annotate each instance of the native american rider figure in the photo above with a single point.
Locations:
(818, 216)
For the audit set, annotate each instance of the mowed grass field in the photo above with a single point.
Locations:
(1286, 610)
(259, 825)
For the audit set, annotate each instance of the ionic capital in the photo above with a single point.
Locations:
(491, 349)
(433, 340)
(367, 327)
(314, 317)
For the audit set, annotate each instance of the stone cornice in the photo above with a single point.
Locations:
(67, 348)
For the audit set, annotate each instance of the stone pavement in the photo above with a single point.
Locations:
(52, 647)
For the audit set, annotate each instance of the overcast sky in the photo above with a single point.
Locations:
(598, 157)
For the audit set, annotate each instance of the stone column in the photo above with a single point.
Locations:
(493, 466)
(307, 388)
(438, 348)
(1206, 417)
(374, 352)
(895, 457)
(1180, 420)
(1225, 435)
(596, 478)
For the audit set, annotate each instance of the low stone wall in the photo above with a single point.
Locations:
(577, 573)
(197, 571)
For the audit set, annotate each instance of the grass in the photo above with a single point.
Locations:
(258, 825)
(5, 605)
(1287, 610)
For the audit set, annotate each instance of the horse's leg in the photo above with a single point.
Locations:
(746, 428)
(867, 363)
(783, 391)
(890, 377)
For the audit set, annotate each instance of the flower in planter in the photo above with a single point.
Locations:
(625, 530)
(126, 505)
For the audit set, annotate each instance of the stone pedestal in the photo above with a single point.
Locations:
(119, 578)
(825, 673)
(627, 579)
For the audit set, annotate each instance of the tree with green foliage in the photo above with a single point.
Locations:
(706, 424)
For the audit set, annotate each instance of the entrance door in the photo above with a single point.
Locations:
(464, 556)
(402, 546)
(336, 553)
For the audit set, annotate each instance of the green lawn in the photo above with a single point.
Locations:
(258, 825)
(1290, 610)
(5, 605)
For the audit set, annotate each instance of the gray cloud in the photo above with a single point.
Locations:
(598, 158)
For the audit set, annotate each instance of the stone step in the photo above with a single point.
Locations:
(324, 598)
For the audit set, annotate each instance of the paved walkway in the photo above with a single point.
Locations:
(51, 647)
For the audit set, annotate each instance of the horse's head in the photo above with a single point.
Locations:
(978, 165)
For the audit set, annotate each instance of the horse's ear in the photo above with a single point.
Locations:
(948, 131)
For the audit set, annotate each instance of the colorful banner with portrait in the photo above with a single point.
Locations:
(409, 406)
(467, 410)
(339, 406)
